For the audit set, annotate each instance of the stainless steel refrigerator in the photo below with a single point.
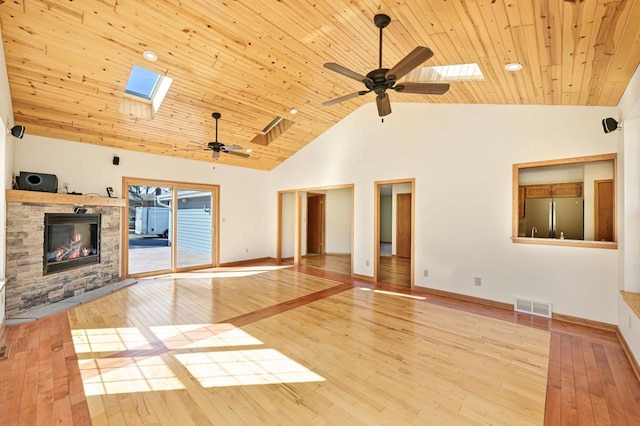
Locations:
(555, 217)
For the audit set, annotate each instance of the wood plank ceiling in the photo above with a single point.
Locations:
(68, 63)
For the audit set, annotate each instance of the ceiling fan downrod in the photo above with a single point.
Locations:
(381, 20)
(216, 116)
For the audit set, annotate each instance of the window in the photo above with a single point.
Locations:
(144, 93)
(565, 202)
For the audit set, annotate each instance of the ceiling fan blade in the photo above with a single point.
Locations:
(346, 72)
(409, 62)
(215, 154)
(345, 97)
(384, 104)
(423, 88)
(238, 154)
(228, 148)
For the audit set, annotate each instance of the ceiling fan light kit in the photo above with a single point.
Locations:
(382, 79)
(217, 147)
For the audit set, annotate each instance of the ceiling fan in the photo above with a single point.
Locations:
(381, 79)
(217, 147)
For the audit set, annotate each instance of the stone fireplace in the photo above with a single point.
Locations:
(81, 253)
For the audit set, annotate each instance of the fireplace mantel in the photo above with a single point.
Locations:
(55, 198)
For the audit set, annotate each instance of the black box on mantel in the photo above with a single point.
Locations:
(32, 181)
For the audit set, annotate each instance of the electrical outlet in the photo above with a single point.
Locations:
(478, 281)
(366, 263)
(246, 250)
(426, 273)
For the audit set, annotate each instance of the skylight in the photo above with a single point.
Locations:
(275, 128)
(144, 93)
(447, 73)
(142, 83)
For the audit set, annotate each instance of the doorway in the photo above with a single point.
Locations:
(315, 228)
(171, 227)
(315, 223)
(394, 225)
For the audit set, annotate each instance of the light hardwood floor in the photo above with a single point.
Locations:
(340, 263)
(395, 270)
(307, 346)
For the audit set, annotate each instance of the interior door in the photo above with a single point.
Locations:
(604, 221)
(403, 225)
(315, 223)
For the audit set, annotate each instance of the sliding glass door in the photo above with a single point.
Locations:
(171, 227)
(194, 227)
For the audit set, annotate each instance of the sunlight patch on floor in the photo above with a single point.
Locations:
(203, 336)
(245, 367)
(393, 293)
(126, 375)
(221, 272)
(123, 373)
(108, 340)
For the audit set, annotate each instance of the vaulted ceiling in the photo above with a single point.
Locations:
(68, 63)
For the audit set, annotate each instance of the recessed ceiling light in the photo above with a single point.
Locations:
(248, 150)
(149, 55)
(293, 111)
(513, 66)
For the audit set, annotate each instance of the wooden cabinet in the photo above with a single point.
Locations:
(521, 198)
(557, 190)
(539, 191)
(567, 190)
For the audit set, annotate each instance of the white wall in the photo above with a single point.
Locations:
(89, 170)
(629, 325)
(386, 213)
(629, 217)
(287, 235)
(630, 198)
(461, 157)
(338, 221)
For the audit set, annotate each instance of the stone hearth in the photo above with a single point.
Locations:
(26, 286)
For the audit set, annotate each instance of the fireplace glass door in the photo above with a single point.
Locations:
(70, 241)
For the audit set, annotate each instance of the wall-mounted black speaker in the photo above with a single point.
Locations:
(610, 124)
(17, 131)
(116, 160)
(31, 181)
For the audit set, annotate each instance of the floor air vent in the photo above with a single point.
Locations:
(533, 307)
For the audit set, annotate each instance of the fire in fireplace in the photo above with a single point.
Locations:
(70, 241)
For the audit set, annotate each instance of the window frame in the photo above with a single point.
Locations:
(563, 242)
